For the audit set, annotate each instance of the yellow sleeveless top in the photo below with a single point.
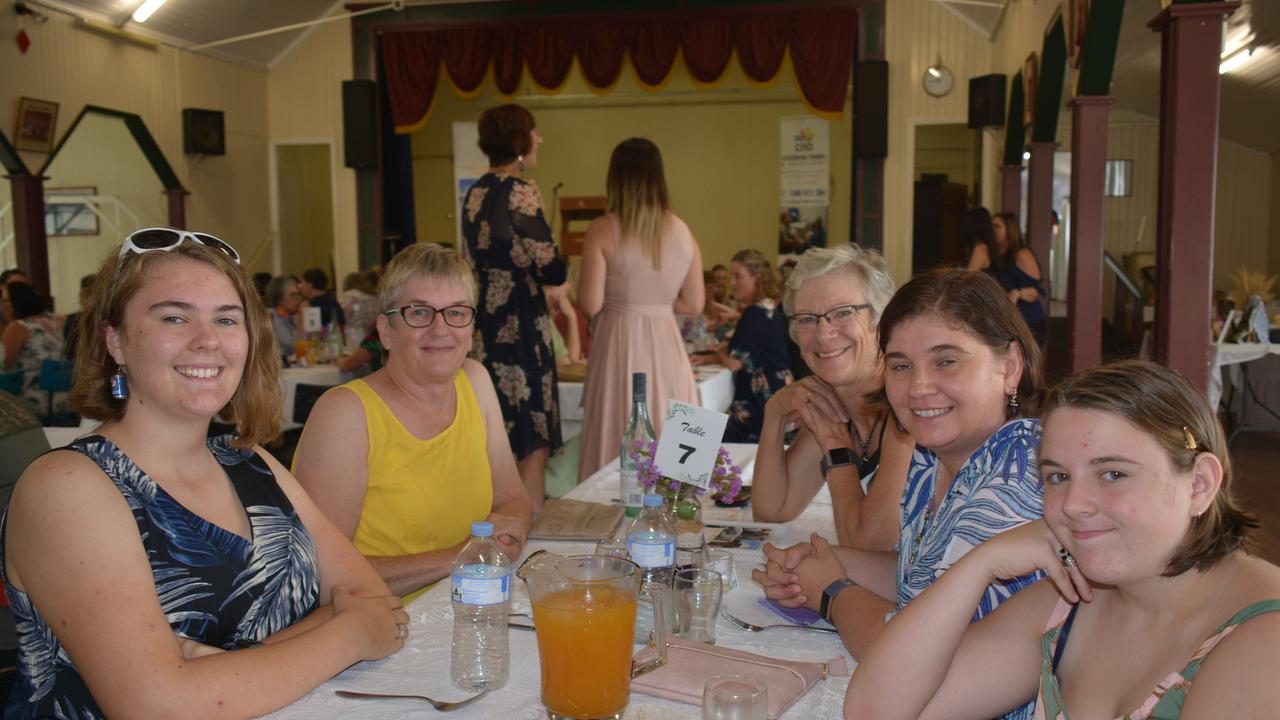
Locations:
(423, 495)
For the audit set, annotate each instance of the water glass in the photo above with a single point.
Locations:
(697, 594)
(735, 697)
(613, 547)
(722, 562)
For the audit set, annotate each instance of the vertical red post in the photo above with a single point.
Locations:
(1011, 189)
(30, 243)
(1040, 206)
(1084, 280)
(177, 208)
(1190, 51)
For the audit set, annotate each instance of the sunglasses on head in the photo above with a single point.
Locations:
(166, 239)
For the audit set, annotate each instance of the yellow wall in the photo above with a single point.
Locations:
(73, 68)
(304, 104)
(947, 149)
(305, 208)
(719, 146)
(917, 33)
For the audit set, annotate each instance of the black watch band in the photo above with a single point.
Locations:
(836, 457)
(829, 595)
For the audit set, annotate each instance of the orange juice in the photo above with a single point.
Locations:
(584, 647)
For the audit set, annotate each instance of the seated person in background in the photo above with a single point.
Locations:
(144, 592)
(359, 303)
(961, 369)
(1155, 610)
(757, 354)
(720, 303)
(31, 336)
(314, 287)
(404, 460)
(997, 249)
(71, 326)
(846, 436)
(284, 299)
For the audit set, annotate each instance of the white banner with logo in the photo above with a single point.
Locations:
(806, 161)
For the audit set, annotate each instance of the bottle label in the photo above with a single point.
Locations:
(651, 554)
(481, 585)
(632, 493)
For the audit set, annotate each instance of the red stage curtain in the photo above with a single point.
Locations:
(820, 41)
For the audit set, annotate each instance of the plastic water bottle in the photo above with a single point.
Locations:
(638, 429)
(651, 544)
(481, 602)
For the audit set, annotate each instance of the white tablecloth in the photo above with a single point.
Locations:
(1230, 356)
(715, 392)
(422, 667)
(292, 377)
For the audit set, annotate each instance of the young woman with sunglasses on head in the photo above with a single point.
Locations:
(405, 459)
(154, 571)
(1155, 609)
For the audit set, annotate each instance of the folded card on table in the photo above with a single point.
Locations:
(796, 616)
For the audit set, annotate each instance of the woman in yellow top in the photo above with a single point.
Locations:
(405, 459)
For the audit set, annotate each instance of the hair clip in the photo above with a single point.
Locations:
(1190, 439)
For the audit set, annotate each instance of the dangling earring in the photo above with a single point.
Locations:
(1013, 400)
(520, 162)
(120, 384)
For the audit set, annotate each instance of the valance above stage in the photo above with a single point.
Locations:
(820, 42)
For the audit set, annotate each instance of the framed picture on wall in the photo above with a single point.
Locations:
(36, 125)
(1077, 27)
(67, 212)
(1030, 78)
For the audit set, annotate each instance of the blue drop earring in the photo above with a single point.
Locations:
(120, 384)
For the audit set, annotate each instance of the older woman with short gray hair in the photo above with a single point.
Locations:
(846, 435)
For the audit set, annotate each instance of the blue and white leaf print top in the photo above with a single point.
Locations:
(214, 586)
(998, 489)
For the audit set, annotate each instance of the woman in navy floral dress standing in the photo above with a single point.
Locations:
(510, 244)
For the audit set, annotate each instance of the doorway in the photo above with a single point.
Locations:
(947, 171)
(303, 208)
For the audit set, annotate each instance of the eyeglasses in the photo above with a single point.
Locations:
(166, 239)
(836, 317)
(421, 316)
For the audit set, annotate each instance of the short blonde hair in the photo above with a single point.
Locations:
(255, 406)
(868, 265)
(429, 260)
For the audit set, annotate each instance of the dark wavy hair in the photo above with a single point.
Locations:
(1164, 405)
(24, 298)
(505, 133)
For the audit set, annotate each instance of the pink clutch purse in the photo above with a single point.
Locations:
(690, 665)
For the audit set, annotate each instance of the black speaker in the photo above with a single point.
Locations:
(871, 109)
(986, 100)
(360, 123)
(203, 132)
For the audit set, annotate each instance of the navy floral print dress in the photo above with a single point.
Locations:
(214, 586)
(514, 254)
(760, 344)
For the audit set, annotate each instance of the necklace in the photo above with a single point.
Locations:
(864, 445)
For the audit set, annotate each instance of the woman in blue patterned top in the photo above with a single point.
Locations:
(155, 572)
(961, 369)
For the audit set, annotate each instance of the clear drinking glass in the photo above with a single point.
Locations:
(722, 562)
(697, 593)
(735, 697)
(613, 547)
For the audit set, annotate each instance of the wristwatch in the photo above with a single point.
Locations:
(836, 457)
(829, 595)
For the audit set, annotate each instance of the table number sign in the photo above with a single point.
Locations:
(689, 442)
(311, 320)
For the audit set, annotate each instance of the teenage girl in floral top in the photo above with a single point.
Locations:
(511, 247)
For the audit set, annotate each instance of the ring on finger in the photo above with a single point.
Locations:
(402, 631)
(1065, 556)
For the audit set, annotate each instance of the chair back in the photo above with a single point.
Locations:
(55, 377)
(11, 382)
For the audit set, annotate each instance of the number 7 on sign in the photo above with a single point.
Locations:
(689, 442)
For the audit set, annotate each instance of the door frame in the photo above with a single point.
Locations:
(273, 172)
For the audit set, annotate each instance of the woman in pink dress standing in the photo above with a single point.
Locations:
(640, 266)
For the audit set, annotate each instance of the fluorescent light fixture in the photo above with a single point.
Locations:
(146, 10)
(1236, 60)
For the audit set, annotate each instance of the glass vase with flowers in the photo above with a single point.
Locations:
(682, 499)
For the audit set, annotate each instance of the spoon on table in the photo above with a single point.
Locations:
(437, 704)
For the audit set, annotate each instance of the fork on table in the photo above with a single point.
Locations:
(751, 627)
(437, 704)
